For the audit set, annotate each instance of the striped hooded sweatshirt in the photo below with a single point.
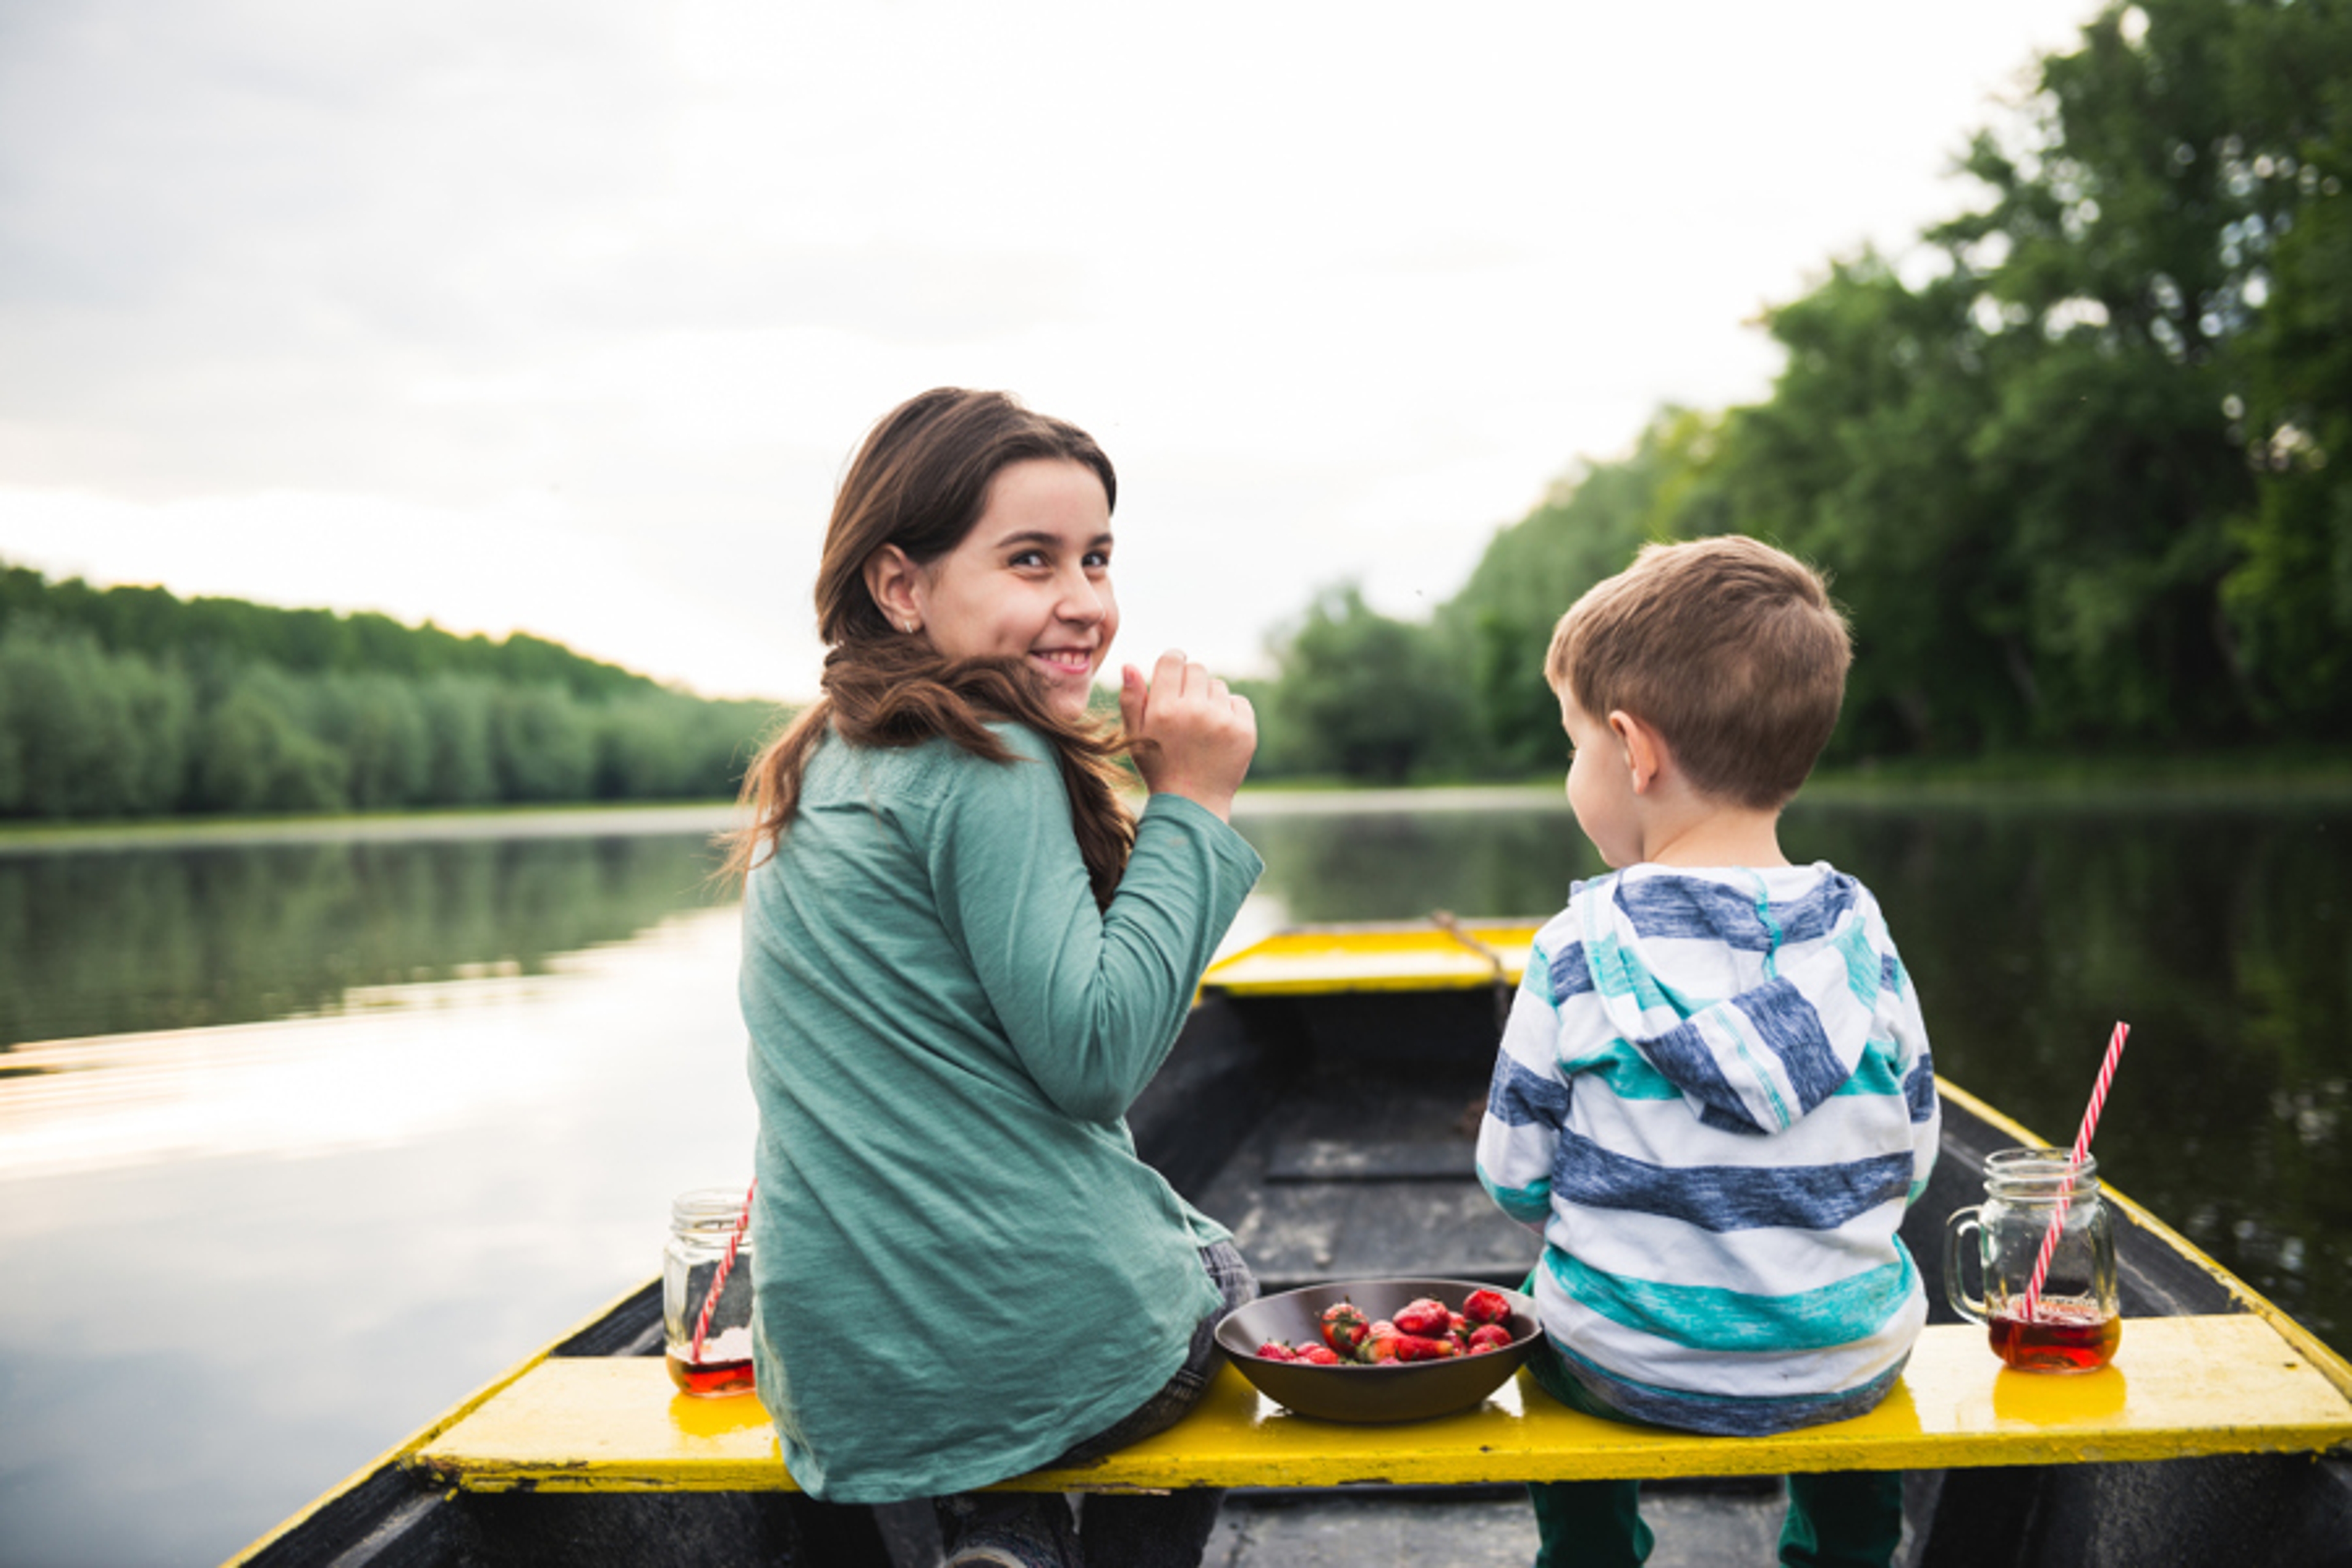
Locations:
(1714, 1099)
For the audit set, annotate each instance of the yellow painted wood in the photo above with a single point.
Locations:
(2179, 1386)
(1419, 957)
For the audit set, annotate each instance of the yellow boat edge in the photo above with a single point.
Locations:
(399, 1452)
(2179, 1388)
(1440, 954)
(1435, 954)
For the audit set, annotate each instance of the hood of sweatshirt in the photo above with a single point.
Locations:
(1752, 991)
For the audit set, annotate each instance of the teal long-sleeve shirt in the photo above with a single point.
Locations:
(962, 1268)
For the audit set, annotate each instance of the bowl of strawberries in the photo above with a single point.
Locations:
(1381, 1350)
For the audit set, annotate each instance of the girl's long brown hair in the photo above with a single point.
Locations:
(921, 481)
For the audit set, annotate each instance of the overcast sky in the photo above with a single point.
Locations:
(562, 316)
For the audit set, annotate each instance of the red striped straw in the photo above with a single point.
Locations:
(2082, 1151)
(718, 1280)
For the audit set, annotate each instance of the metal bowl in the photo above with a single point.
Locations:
(1392, 1391)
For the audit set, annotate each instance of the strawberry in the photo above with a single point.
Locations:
(1379, 1343)
(1488, 1337)
(1344, 1327)
(1275, 1350)
(1487, 1307)
(1321, 1356)
(1419, 1347)
(1422, 1317)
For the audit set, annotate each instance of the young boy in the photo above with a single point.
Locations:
(1713, 1098)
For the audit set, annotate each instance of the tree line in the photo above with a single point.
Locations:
(2080, 466)
(129, 701)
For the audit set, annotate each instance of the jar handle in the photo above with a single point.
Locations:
(1963, 1223)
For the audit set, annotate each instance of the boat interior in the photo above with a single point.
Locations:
(1332, 1128)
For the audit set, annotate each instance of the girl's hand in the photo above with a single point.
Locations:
(1188, 734)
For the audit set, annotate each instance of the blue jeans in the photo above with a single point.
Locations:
(1115, 1529)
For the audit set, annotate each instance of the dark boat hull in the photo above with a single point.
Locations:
(1242, 1121)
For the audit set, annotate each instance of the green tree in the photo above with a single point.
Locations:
(2110, 308)
(647, 748)
(544, 742)
(2077, 467)
(161, 707)
(1860, 462)
(377, 724)
(130, 700)
(158, 624)
(255, 756)
(88, 733)
(2290, 594)
(1493, 633)
(461, 766)
(2072, 482)
(1362, 694)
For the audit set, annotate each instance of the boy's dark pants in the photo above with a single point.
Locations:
(1846, 1518)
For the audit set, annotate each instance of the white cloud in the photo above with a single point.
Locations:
(566, 316)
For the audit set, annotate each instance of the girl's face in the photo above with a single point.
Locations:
(1032, 578)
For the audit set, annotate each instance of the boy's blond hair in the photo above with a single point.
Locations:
(1729, 648)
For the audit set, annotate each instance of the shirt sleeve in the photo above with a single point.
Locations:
(1898, 1014)
(1526, 1102)
(1919, 1095)
(1091, 1000)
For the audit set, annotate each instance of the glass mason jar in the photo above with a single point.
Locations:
(703, 1248)
(2077, 1322)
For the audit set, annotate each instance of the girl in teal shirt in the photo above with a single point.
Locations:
(962, 960)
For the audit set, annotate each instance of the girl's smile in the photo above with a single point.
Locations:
(1031, 579)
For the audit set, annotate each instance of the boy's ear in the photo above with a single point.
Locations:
(1645, 749)
(890, 580)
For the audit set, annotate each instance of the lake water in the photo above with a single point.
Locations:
(304, 1137)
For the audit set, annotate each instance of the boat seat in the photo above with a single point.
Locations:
(2179, 1386)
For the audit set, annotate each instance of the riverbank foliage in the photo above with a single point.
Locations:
(2080, 465)
(128, 701)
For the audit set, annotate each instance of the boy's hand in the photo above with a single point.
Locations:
(1189, 735)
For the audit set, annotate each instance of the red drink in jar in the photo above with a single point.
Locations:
(710, 1376)
(2045, 1234)
(706, 1293)
(2066, 1336)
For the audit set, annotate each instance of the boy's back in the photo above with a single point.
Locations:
(1715, 1098)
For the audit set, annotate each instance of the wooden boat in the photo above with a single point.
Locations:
(1322, 1102)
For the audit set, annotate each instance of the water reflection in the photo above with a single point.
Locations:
(235, 1263)
(305, 1141)
(2224, 936)
(1502, 854)
(107, 942)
